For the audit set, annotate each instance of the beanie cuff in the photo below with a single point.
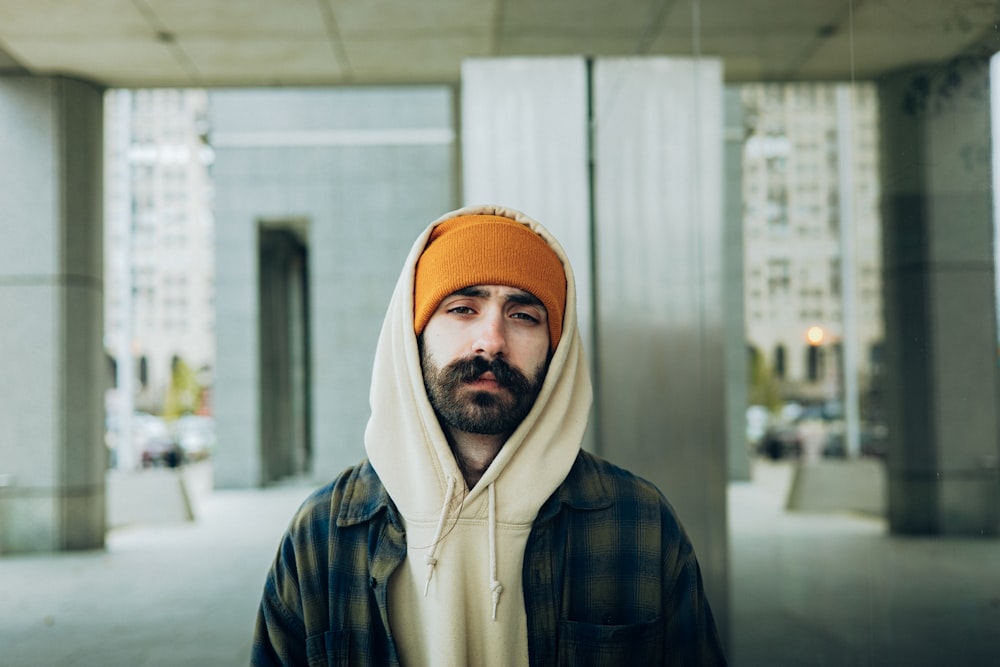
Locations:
(488, 250)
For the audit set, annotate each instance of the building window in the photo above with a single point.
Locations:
(779, 361)
(778, 276)
(875, 358)
(814, 363)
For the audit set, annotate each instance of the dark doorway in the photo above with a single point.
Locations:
(284, 353)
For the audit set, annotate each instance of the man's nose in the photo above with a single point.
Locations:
(491, 336)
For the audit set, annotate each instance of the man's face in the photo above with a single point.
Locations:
(484, 353)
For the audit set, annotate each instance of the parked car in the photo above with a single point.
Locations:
(781, 440)
(153, 438)
(195, 434)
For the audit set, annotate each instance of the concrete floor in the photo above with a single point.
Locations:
(807, 589)
(816, 589)
(179, 594)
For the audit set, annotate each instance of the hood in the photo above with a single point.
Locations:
(408, 448)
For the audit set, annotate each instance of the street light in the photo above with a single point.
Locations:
(815, 335)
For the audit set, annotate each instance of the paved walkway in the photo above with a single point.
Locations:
(172, 595)
(810, 590)
(834, 589)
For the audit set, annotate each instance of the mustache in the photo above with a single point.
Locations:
(470, 368)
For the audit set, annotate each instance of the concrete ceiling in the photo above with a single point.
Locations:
(208, 43)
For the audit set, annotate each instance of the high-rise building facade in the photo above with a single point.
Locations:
(804, 143)
(159, 238)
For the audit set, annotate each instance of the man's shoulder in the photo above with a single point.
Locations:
(594, 483)
(353, 496)
(599, 476)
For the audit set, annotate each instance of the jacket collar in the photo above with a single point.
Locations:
(583, 489)
(364, 497)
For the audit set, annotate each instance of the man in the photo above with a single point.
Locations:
(477, 532)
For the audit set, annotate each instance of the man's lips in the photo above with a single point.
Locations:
(485, 380)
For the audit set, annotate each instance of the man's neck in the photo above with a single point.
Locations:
(474, 452)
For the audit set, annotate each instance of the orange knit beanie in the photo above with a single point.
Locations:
(488, 250)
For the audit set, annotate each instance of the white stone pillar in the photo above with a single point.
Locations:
(52, 453)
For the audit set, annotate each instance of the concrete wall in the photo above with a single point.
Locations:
(52, 453)
(360, 172)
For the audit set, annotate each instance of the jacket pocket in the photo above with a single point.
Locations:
(588, 644)
(329, 649)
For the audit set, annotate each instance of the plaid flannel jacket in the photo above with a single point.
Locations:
(610, 578)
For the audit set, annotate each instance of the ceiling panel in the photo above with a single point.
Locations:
(284, 42)
(563, 45)
(393, 18)
(873, 55)
(576, 17)
(89, 19)
(750, 57)
(118, 60)
(778, 16)
(905, 16)
(276, 62)
(230, 20)
(425, 60)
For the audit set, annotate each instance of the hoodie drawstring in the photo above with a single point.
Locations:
(496, 588)
(495, 584)
(431, 557)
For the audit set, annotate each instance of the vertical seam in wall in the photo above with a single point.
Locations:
(58, 91)
(258, 360)
(595, 345)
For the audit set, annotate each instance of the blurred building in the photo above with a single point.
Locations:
(794, 257)
(158, 198)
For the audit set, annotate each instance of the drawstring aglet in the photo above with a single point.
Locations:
(497, 589)
(431, 562)
(430, 558)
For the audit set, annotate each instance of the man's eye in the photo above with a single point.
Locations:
(524, 316)
(460, 310)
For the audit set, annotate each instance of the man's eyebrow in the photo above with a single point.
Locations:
(472, 290)
(520, 297)
(526, 299)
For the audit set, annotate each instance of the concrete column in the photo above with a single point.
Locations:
(941, 343)
(52, 454)
(659, 248)
(637, 205)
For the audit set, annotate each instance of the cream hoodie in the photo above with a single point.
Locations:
(457, 599)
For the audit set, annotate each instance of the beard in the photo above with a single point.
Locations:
(480, 412)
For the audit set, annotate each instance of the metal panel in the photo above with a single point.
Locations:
(659, 250)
